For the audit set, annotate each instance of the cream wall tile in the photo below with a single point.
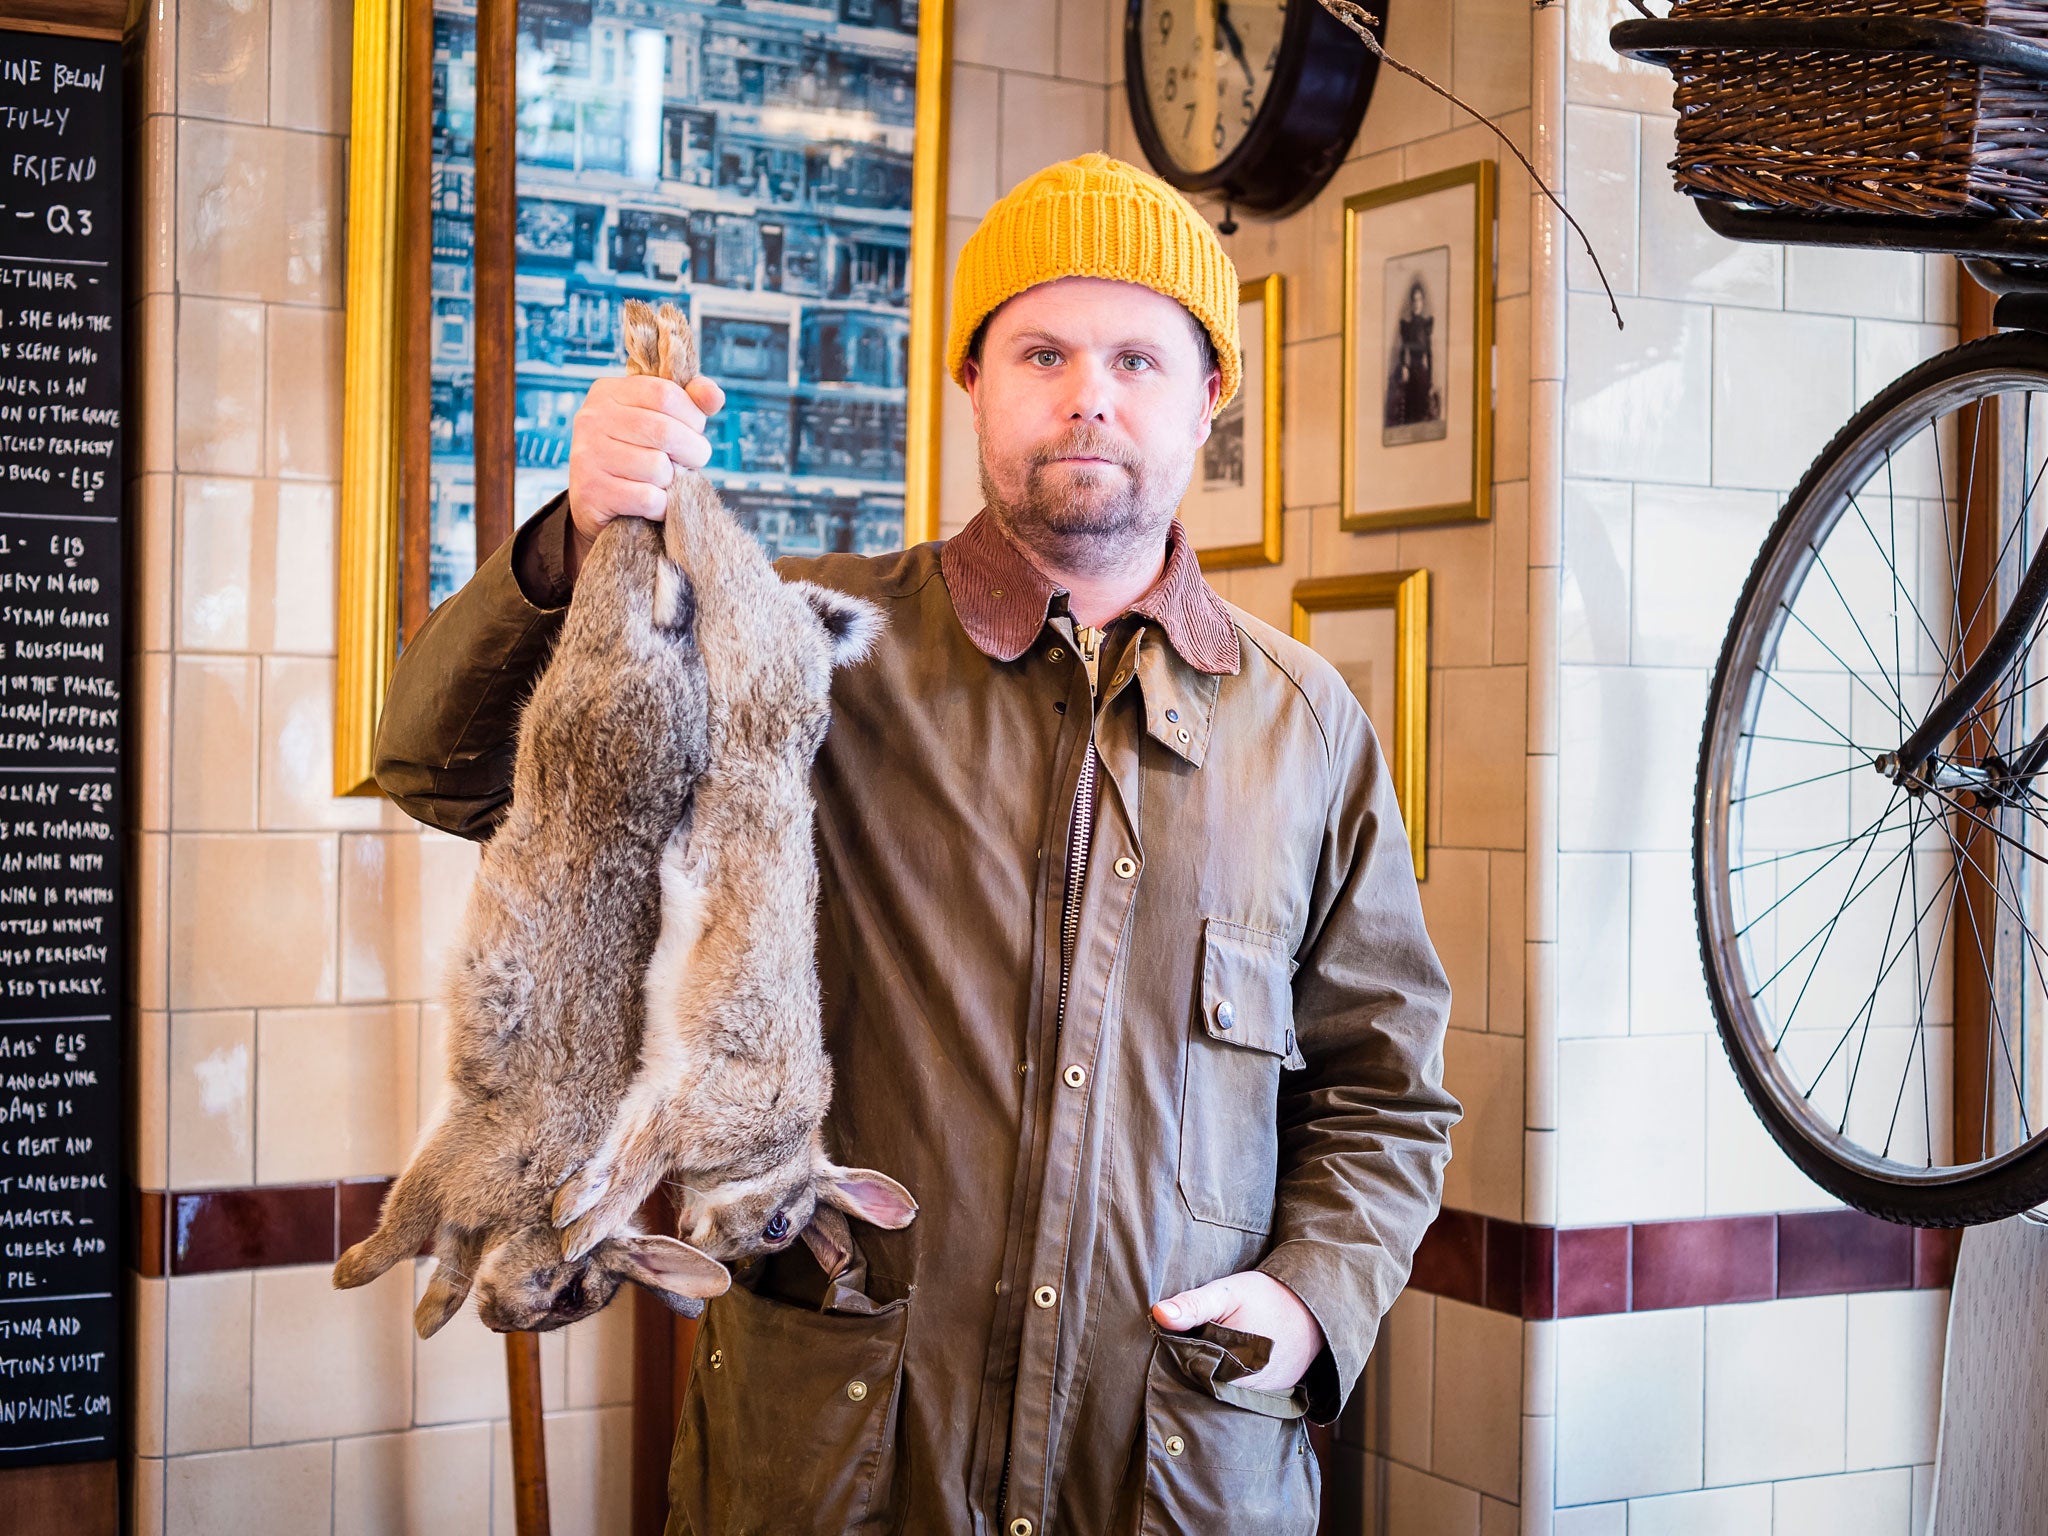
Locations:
(459, 1374)
(1333, 552)
(146, 1362)
(1266, 591)
(303, 438)
(1453, 901)
(599, 1354)
(1316, 296)
(283, 1490)
(1630, 739)
(150, 925)
(1631, 1131)
(1923, 1498)
(1603, 191)
(223, 51)
(255, 920)
(1681, 257)
(153, 329)
(149, 719)
(1402, 110)
(1484, 764)
(335, 1093)
(425, 1482)
(1045, 121)
(1775, 1375)
(1692, 551)
(1941, 276)
(1477, 1440)
(973, 141)
(1861, 1504)
(329, 1362)
(1490, 54)
(212, 1085)
(1003, 36)
(149, 1143)
(156, 40)
(1461, 596)
(1309, 445)
(1782, 385)
(1595, 73)
(1592, 1520)
(1667, 992)
(589, 1454)
(1886, 349)
(298, 749)
(152, 227)
(1398, 1384)
(219, 387)
(1497, 1517)
(146, 1482)
(227, 535)
(1086, 39)
(1896, 1344)
(433, 1068)
(1511, 319)
(1744, 1511)
(1504, 937)
(309, 81)
(1592, 944)
(154, 580)
(402, 905)
(1637, 402)
(1485, 1172)
(259, 213)
(1829, 280)
(1428, 1506)
(1511, 573)
(1593, 617)
(207, 1366)
(213, 743)
(1628, 1404)
(1746, 1171)
(304, 581)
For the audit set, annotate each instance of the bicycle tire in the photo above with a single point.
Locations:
(2000, 1187)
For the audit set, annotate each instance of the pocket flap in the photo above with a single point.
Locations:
(1247, 996)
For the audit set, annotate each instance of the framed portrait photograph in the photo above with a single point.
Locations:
(1417, 410)
(1232, 507)
(1374, 629)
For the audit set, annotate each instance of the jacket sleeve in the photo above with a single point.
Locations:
(1365, 1128)
(446, 738)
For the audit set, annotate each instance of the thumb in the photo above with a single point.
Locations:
(1191, 1309)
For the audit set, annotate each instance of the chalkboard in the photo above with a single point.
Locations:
(62, 902)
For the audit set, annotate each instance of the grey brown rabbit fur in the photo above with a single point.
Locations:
(734, 1081)
(543, 992)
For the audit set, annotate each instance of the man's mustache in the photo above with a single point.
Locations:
(1091, 445)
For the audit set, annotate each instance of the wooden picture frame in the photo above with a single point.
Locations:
(1400, 715)
(385, 538)
(1417, 388)
(1236, 488)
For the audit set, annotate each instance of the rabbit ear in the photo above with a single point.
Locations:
(852, 623)
(449, 1288)
(831, 1244)
(673, 1270)
(874, 1197)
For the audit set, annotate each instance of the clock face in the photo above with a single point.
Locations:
(1208, 67)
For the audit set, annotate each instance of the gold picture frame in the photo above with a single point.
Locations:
(1435, 235)
(1406, 593)
(373, 397)
(1268, 294)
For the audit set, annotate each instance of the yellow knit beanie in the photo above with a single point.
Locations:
(1093, 216)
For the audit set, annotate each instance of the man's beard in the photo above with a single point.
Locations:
(1095, 519)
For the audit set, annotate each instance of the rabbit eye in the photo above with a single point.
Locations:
(570, 1296)
(778, 1228)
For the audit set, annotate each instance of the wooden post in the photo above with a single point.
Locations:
(497, 58)
(529, 1448)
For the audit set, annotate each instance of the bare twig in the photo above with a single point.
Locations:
(1361, 21)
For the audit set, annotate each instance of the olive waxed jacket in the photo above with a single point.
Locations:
(1248, 1072)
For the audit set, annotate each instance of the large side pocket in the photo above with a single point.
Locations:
(1243, 1033)
(789, 1424)
(1217, 1456)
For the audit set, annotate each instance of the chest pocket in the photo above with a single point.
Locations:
(1242, 1035)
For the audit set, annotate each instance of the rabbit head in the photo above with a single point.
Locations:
(523, 1283)
(746, 1218)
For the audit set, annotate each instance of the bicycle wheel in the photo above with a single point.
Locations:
(1876, 943)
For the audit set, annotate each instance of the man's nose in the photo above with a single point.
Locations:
(1088, 390)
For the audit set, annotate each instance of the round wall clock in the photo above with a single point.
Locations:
(1253, 101)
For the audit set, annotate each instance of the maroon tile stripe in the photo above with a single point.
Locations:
(1532, 1272)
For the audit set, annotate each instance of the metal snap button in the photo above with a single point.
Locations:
(1182, 733)
(1075, 1075)
(857, 1390)
(1126, 867)
(1045, 1296)
(1020, 1527)
(1226, 1015)
(718, 1359)
(1055, 654)
(1175, 1445)
(1173, 714)
(995, 592)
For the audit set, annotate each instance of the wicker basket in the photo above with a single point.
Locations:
(1863, 133)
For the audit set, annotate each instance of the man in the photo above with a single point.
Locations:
(1124, 970)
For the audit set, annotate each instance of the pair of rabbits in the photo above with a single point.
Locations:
(648, 901)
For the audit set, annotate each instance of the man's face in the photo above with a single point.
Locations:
(1090, 401)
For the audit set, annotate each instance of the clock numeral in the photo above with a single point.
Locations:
(1165, 25)
(1169, 89)
(1247, 104)
(1216, 138)
(1189, 127)
(1273, 60)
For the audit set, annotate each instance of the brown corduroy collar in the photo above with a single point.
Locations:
(1002, 598)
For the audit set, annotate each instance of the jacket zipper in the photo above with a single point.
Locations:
(1080, 836)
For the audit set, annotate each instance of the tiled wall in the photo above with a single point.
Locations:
(1680, 436)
